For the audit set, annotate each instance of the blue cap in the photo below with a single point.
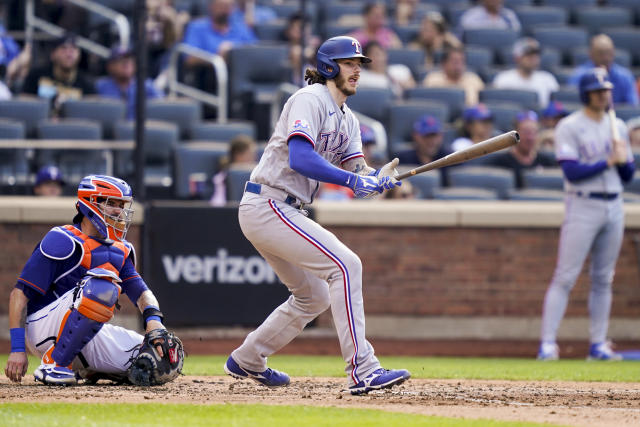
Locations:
(366, 135)
(526, 115)
(427, 125)
(49, 173)
(118, 52)
(478, 112)
(554, 109)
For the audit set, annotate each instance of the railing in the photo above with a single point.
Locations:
(33, 22)
(220, 67)
(378, 130)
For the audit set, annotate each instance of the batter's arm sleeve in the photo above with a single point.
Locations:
(304, 160)
(575, 171)
(626, 171)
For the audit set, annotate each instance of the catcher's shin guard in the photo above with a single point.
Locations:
(94, 308)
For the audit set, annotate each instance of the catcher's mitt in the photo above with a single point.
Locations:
(148, 367)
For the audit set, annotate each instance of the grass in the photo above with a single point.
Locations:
(153, 415)
(431, 367)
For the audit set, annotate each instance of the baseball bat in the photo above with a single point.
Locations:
(615, 133)
(480, 149)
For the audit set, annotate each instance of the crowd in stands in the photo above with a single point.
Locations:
(491, 51)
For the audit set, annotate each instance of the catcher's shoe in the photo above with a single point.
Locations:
(270, 377)
(380, 378)
(548, 351)
(603, 351)
(50, 373)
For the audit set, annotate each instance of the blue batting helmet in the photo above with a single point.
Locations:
(341, 47)
(594, 79)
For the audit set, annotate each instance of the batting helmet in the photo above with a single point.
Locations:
(341, 47)
(594, 79)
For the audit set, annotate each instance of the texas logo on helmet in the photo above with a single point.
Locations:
(341, 47)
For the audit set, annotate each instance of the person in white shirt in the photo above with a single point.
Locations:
(489, 14)
(380, 74)
(526, 75)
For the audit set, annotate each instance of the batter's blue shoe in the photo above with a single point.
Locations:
(603, 351)
(548, 351)
(270, 377)
(380, 378)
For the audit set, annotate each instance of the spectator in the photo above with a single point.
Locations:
(375, 27)
(249, 13)
(602, 54)
(634, 132)
(242, 151)
(406, 191)
(489, 14)
(454, 74)
(164, 28)
(121, 81)
(15, 62)
(49, 182)
(526, 75)
(434, 38)
(378, 73)
(524, 155)
(217, 33)
(297, 25)
(61, 80)
(478, 126)
(552, 114)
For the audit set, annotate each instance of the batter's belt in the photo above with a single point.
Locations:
(273, 193)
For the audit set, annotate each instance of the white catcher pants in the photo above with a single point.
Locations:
(319, 270)
(108, 352)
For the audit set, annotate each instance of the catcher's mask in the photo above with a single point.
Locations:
(106, 201)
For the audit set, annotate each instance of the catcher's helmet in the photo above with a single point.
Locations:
(594, 79)
(96, 197)
(341, 47)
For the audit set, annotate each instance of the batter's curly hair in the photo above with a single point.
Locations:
(313, 76)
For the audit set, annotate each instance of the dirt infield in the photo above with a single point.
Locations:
(566, 403)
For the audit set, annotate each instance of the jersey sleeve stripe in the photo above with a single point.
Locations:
(302, 134)
(132, 277)
(33, 285)
(351, 156)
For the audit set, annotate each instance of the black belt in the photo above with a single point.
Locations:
(599, 196)
(252, 187)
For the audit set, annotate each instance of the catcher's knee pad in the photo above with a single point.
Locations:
(98, 299)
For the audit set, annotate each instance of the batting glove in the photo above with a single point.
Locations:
(365, 186)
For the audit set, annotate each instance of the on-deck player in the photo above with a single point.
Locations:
(595, 167)
(316, 131)
(69, 288)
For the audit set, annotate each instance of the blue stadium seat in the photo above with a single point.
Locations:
(70, 129)
(504, 114)
(541, 16)
(402, 115)
(237, 176)
(14, 165)
(334, 29)
(527, 99)
(107, 111)
(426, 184)
(499, 180)
(29, 110)
(452, 96)
(596, 18)
(634, 185)
(494, 39)
(183, 112)
(478, 57)
(564, 39)
(222, 132)
(412, 58)
(545, 179)
(566, 94)
(406, 33)
(626, 112)
(512, 4)
(464, 193)
(536, 195)
(372, 102)
(570, 4)
(272, 31)
(195, 157)
(333, 10)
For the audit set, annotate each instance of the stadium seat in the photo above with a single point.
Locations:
(334, 30)
(107, 111)
(464, 193)
(478, 57)
(426, 184)
(407, 33)
(564, 39)
(195, 157)
(69, 129)
(544, 179)
(566, 94)
(454, 11)
(452, 96)
(570, 4)
(272, 31)
(14, 166)
(541, 16)
(333, 10)
(634, 185)
(412, 58)
(402, 115)
(29, 110)
(527, 99)
(512, 4)
(499, 180)
(536, 195)
(626, 38)
(222, 132)
(580, 56)
(626, 112)
(237, 176)
(494, 39)
(372, 102)
(160, 140)
(596, 18)
(504, 114)
(183, 112)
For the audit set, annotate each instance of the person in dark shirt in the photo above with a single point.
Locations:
(61, 80)
(525, 154)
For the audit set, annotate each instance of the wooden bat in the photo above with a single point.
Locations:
(615, 132)
(483, 148)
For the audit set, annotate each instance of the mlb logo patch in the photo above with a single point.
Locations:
(301, 124)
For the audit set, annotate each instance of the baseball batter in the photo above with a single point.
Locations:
(595, 166)
(316, 133)
(69, 288)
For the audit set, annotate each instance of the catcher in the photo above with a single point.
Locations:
(68, 290)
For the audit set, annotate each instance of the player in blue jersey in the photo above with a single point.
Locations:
(69, 287)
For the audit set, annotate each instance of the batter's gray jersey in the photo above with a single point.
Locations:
(580, 138)
(312, 114)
